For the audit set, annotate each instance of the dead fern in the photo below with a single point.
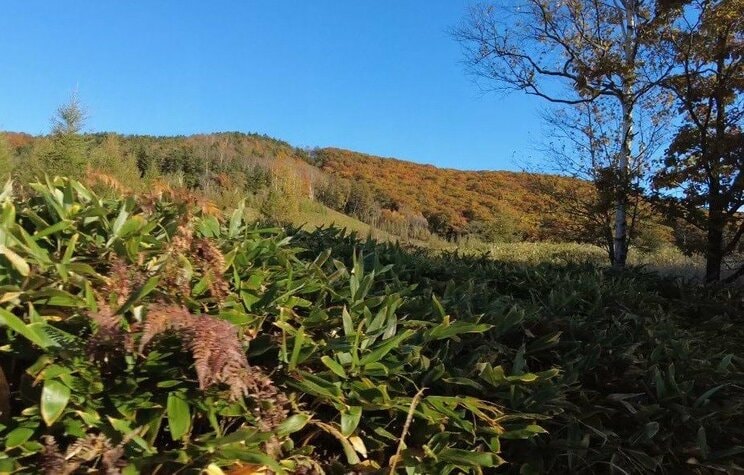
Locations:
(209, 257)
(108, 338)
(87, 451)
(218, 354)
(174, 277)
(108, 325)
(203, 253)
(183, 237)
(219, 358)
(161, 191)
(121, 279)
(95, 177)
(53, 462)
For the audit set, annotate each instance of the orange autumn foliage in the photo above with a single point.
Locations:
(456, 196)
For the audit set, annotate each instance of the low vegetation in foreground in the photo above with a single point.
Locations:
(153, 334)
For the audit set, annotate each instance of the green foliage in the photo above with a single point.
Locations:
(64, 154)
(70, 117)
(361, 202)
(125, 273)
(616, 340)
(282, 202)
(496, 230)
(334, 193)
(6, 159)
(653, 237)
(149, 334)
(108, 156)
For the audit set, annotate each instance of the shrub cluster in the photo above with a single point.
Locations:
(152, 334)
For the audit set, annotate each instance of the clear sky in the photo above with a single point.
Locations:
(377, 76)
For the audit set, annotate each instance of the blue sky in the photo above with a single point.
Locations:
(376, 76)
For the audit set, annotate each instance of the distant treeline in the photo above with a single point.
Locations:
(402, 198)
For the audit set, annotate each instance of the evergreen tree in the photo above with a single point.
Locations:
(66, 152)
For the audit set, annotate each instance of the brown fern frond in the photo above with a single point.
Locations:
(219, 358)
(161, 319)
(159, 187)
(210, 255)
(82, 451)
(111, 460)
(183, 237)
(156, 190)
(210, 259)
(173, 276)
(121, 279)
(175, 279)
(105, 320)
(108, 336)
(209, 208)
(53, 461)
(216, 357)
(214, 344)
(88, 448)
(204, 253)
(94, 177)
(162, 190)
(118, 282)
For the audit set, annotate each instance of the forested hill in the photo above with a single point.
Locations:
(403, 198)
(456, 201)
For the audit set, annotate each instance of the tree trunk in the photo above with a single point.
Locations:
(714, 246)
(623, 166)
(714, 252)
(715, 249)
(621, 197)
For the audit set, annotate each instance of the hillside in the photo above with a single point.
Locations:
(397, 197)
(451, 199)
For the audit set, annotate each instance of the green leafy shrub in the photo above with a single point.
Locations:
(150, 335)
(649, 375)
(127, 325)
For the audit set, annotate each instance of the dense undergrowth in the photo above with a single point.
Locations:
(148, 335)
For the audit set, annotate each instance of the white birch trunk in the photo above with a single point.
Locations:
(623, 165)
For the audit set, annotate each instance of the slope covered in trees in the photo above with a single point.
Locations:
(403, 198)
(454, 202)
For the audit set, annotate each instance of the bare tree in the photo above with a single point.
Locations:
(581, 141)
(574, 52)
